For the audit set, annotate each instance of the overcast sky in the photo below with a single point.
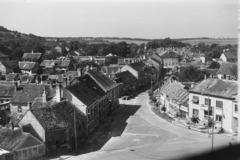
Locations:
(122, 18)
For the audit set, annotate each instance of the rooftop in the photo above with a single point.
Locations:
(31, 56)
(7, 89)
(227, 68)
(58, 62)
(10, 139)
(216, 87)
(170, 54)
(86, 90)
(57, 116)
(104, 82)
(126, 77)
(26, 65)
(12, 77)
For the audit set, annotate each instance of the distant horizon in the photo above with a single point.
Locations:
(141, 19)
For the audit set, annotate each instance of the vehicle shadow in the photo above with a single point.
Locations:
(113, 126)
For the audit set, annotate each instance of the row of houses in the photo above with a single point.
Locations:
(211, 98)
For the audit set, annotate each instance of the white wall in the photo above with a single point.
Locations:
(226, 112)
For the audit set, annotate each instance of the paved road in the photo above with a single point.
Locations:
(147, 136)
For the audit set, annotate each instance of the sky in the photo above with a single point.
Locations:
(122, 18)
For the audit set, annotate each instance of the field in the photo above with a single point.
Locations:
(138, 42)
(211, 41)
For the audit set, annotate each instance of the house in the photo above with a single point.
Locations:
(12, 77)
(32, 57)
(204, 58)
(100, 60)
(227, 71)
(174, 97)
(28, 67)
(128, 60)
(3, 57)
(129, 82)
(110, 71)
(58, 49)
(152, 62)
(108, 86)
(59, 64)
(16, 144)
(170, 59)
(88, 97)
(221, 96)
(25, 95)
(6, 67)
(59, 124)
(142, 72)
(25, 78)
(228, 56)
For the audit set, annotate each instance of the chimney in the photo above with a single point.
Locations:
(65, 81)
(29, 104)
(58, 92)
(12, 125)
(16, 86)
(44, 97)
(79, 72)
(91, 68)
(87, 68)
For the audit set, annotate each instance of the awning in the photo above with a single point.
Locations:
(195, 100)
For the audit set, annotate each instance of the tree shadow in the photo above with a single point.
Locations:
(117, 122)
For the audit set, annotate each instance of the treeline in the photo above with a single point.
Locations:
(167, 42)
(214, 50)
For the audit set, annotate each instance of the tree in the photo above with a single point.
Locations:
(195, 119)
(214, 65)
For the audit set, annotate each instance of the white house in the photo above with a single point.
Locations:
(221, 95)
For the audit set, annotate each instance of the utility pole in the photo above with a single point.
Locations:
(212, 127)
(75, 131)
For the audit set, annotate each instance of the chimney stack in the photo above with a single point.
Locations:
(79, 72)
(29, 105)
(58, 92)
(44, 97)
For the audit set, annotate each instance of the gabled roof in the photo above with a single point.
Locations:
(28, 128)
(156, 58)
(171, 89)
(27, 65)
(170, 54)
(139, 66)
(104, 82)
(230, 55)
(227, 68)
(59, 63)
(31, 56)
(28, 92)
(57, 116)
(11, 139)
(25, 78)
(3, 55)
(111, 69)
(12, 77)
(7, 89)
(86, 90)
(216, 87)
(7, 63)
(126, 77)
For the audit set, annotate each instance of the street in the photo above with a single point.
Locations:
(140, 134)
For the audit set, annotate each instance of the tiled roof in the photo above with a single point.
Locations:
(3, 55)
(31, 56)
(58, 116)
(10, 139)
(230, 55)
(156, 58)
(216, 87)
(111, 69)
(104, 82)
(58, 63)
(139, 66)
(171, 89)
(170, 54)
(126, 77)
(28, 92)
(7, 64)
(7, 89)
(28, 128)
(26, 65)
(25, 78)
(12, 77)
(86, 90)
(227, 68)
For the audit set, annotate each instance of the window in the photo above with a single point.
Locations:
(195, 112)
(236, 108)
(207, 101)
(219, 104)
(24, 153)
(218, 118)
(35, 151)
(19, 108)
(206, 114)
(195, 100)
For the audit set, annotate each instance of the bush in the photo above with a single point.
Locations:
(163, 109)
(195, 119)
